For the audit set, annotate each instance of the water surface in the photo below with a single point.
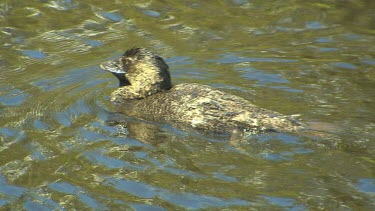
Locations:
(59, 148)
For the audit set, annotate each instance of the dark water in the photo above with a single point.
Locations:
(60, 151)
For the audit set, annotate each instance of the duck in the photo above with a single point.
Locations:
(146, 92)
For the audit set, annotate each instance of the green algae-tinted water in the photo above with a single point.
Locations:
(59, 148)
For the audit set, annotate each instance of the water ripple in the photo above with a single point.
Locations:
(185, 200)
(80, 193)
(63, 148)
(110, 162)
(230, 58)
(11, 96)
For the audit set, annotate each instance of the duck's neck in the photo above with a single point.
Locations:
(141, 81)
(122, 79)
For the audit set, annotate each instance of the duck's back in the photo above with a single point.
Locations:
(201, 107)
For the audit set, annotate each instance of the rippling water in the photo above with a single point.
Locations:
(60, 148)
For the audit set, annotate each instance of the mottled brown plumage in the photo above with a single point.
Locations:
(147, 93)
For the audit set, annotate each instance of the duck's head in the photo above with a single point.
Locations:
(140, 67)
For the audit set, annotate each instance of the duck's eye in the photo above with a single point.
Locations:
(127, 60)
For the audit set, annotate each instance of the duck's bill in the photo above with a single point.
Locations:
(114, 66)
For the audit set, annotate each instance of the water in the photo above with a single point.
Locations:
(59, 148)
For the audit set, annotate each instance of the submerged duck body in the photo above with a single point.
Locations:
(146, 92)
